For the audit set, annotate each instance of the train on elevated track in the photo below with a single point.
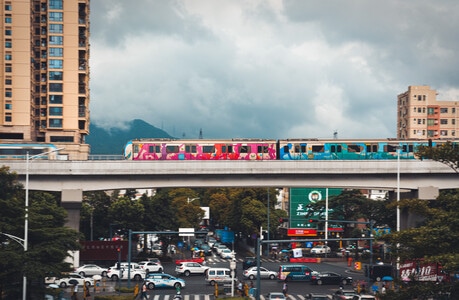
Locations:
(270, 149)
(242, 149)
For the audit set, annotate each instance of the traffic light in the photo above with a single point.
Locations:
(283, 220)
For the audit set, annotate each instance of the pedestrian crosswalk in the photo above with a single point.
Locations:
(212, 297)
(216, 259)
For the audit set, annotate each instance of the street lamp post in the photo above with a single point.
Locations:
(26, 209)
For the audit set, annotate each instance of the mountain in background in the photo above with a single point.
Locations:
(112, 141)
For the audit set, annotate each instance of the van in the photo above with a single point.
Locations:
(295, 273)
(218, 275)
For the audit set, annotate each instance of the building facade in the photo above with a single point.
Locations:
(421, 116)
(45, 74)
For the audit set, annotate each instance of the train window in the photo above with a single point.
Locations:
(286, 149)
(227, 149)
(372, 148)
(336, 149)
(318, 148)
(354, 148)
(208, 149)
(172, 149)
(158, 149)
(263, 149)
(151, 149)
(136, 148)
(244, 149)
(390, 148)
(190, 148)
(300, 148)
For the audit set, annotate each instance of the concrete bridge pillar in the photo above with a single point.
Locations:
(71, 200)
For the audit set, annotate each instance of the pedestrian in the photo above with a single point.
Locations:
(285, 288)
(143, 294)
(136, 291)
(240, 288)
(75, 291)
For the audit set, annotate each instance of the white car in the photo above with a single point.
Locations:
(226, 253)
(220, 248)
(91, 270)
(151, 267)
(70, 278)
(188, 268)
(136, 274)
(251, 273)
(320, 249)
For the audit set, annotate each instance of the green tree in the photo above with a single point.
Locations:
(96, 205)
(49, 241)
(447, 153)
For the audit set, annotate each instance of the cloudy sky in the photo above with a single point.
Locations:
(268, 68)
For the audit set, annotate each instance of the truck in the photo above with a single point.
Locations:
(416, 270)
(422, 271)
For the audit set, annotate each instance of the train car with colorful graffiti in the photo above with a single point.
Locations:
(168, 149)
(259, 149)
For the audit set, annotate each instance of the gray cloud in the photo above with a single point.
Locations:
(268, 69)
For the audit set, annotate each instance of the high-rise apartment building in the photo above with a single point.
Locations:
(44, 76)
(421, 116)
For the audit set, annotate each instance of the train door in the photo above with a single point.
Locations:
(332, 151)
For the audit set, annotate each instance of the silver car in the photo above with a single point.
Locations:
(251, 273)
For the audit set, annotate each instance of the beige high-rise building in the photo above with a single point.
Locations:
(45, 74)
(421, 116)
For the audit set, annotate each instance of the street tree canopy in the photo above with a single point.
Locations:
(447, 153)
(49, 241)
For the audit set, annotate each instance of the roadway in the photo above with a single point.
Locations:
(197, 289)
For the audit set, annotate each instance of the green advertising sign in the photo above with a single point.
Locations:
(300, 198)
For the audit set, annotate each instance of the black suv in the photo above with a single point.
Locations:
(249, 262)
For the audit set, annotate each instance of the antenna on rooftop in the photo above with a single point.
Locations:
(200, 133)
(335, 134)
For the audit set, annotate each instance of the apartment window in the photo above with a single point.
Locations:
(56, 28)
(444, 110)
(56, 75)
(443, 121)
(56, 52)
(419, 121)
(8, 44)
(55, 99)
(8, 32)
(56, 40)
(453, 121)
(430, 122)
(419, 110)
(8, 117)
(8, 20)
(8, 56)
(55, 123)
(443, 132)
(8, 81)
(8, 93)
(8, 68)
(414, 109)
(453, 110)
(55, 87)
(56, 16)
(430, 111)
(419, 97)
(8, 7)
(55, 4)
(55, 63)
(55, 111)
